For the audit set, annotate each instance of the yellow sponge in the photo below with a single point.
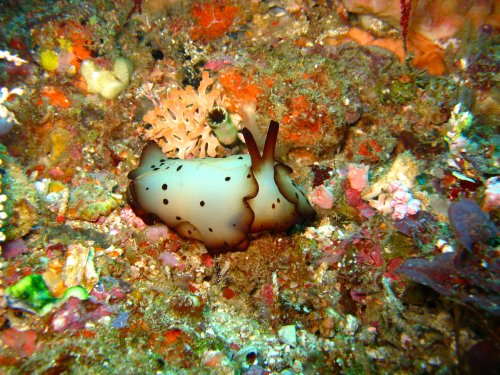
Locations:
(49, 59)
(109, 84)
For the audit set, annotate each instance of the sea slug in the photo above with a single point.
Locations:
(219, 201)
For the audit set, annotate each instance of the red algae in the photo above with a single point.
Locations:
(228, 293)
(23, 343)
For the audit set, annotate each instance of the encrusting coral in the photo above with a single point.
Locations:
(179, 125)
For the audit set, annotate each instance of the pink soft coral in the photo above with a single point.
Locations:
(179, 124)
(358, 176)
(402, 203)
(492, 194)
(322, 197)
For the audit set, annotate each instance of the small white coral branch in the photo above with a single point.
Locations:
(6, 55)
(459, 122)
(5, 94)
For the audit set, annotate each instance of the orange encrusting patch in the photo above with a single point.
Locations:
(301, 119)
(81, 53)
(56, 97)
(170, 336)
(370, 149)
(228, 293)
(212, 20)
(80, 38)
(239, 88)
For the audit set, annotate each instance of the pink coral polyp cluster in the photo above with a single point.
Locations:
(402, 203)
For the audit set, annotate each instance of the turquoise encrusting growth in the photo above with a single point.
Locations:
(238, 195)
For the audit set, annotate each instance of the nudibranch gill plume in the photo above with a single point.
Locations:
(219, 201)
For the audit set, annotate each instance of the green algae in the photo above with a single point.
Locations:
(31, 294)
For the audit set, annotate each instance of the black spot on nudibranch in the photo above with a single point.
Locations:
(153, 166)
(274, 206)
(210, 230)
(240, 157)
(147, 188)
(278, 200)
(164, 186)
(178, 217)
(189, 232)
(202, 203)
(179, 168)
(156, 169)
(248, 175)
(227, 178)
(165, 201)
(162, 160)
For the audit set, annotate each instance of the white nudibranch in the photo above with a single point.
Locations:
(219, 201)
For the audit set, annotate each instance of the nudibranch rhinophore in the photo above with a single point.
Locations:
(219, 201)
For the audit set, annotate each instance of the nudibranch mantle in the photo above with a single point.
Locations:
(219, 201)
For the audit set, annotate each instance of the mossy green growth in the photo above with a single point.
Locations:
(31, 294)
(396, 92)
(201, 345)
(21, 203)
(89, 202)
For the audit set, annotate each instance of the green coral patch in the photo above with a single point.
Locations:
(31, 294)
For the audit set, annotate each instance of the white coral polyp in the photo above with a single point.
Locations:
(179, 124)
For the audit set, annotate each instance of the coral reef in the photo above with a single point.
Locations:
(429, 26)
(389, 118)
